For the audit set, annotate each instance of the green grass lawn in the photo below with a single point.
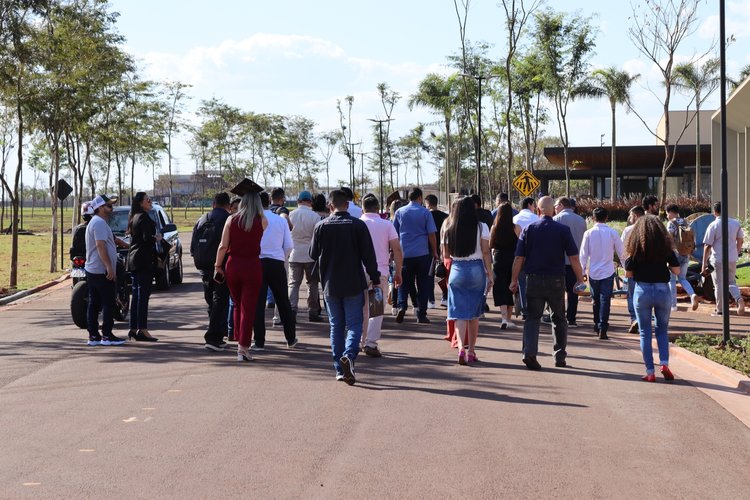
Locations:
(33, 261)
(736, 356)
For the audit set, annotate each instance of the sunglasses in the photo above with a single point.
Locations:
(109, 205)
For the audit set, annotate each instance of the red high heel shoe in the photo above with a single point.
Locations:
(462, 358)
(650, 377)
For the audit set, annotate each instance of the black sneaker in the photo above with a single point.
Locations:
(423, 320)
(531, 363)
(373, 352)
(400, 315)
(561, 364)
(315, 318)
(347, 366)
(215, 347)
(293, 343)
(572, 323)
(94, 341)
(112, 340)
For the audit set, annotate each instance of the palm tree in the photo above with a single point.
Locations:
(615, 85)
(701, 81)
(437, 93)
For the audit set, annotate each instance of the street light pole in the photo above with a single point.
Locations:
(380, 141)
(352, 164)
(724, 181)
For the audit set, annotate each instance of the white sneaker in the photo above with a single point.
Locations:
(430, 305)
(503, 325)
(675, 308)
(740, 306)
(694, 302)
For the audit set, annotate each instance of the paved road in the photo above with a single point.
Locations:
(173, 420)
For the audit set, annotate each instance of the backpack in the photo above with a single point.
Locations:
(207, 238)
(685, 240)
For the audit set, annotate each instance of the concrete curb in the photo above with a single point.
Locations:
(31, 291)
(726, 374)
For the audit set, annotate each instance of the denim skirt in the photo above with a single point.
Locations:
(466, 286)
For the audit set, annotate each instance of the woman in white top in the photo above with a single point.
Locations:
(466, 242)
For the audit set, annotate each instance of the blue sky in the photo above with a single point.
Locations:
(299, 57)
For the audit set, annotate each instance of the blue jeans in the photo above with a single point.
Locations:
(416, 268)
(345, 314)
(631, 307)
(141, 292)
(654, 297)
(230, 319)
(601, 296)
(682, 278)
(101, 297)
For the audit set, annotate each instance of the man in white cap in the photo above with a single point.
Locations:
(101, 273)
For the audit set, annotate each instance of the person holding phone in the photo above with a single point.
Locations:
(240, 241)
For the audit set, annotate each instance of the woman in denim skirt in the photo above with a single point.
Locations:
(466, 241)
(651, 258)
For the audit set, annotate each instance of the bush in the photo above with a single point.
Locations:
(734, 356)
(618, 210)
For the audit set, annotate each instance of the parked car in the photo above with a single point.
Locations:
(169, 271)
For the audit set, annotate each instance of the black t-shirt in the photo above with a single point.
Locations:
(439, 217)
(652, 272)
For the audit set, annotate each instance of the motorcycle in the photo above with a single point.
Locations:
(79, 299)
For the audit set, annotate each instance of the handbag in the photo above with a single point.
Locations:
(440, 270)
(375, 300)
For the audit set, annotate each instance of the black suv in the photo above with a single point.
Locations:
(170, 270)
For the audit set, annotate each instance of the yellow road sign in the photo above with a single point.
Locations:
(525, 183)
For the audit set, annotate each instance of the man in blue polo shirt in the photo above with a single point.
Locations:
(416, 230)
(541, 251)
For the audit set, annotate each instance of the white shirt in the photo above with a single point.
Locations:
(598, 250)
(624, 238)
(277, 239)
(524, 218)
(303, 222)
(482, 234)
(354, 210)
(713, 238)
(382, 233)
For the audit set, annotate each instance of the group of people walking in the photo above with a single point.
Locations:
(541, 256)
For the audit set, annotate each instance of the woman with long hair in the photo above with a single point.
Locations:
(240, 241)
(651, 257)
(141, 264)
(503, 240)
(320, 205)
(466, 242)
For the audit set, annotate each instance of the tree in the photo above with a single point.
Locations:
(412, 146)
(700, 81)
(388, 98)
(613, 84)
(438, 94)
(658, 28)
(530, 85)
(326, 144)
(18, 54)
(565, 45)
(516, 16)
(346, 133)
(174, 94)
(7, 145)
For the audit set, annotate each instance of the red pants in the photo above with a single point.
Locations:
(244, 277)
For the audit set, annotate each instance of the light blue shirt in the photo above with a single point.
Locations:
(414, 224)
(99, 230)
(577, 225)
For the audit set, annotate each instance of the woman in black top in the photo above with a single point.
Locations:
(141, 264)
(503, 239)
(651, 258)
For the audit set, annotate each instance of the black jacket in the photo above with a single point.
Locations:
(142, 253)
(341, 245)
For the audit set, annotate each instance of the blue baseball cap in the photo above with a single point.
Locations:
(304, 196)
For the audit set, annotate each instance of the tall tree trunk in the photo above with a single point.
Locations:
(54, 177)
(13, 282)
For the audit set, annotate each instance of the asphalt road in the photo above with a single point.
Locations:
(173, 420)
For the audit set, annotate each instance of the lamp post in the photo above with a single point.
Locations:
(479, 79)
(380, 141)
(724, 182)
(352, 163)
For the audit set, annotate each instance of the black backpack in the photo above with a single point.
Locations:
(206, 238)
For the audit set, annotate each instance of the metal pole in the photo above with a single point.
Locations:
(380, 137)
(724, 182)
(62, 245)
(479, 143)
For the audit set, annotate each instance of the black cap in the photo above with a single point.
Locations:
(246, 186)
